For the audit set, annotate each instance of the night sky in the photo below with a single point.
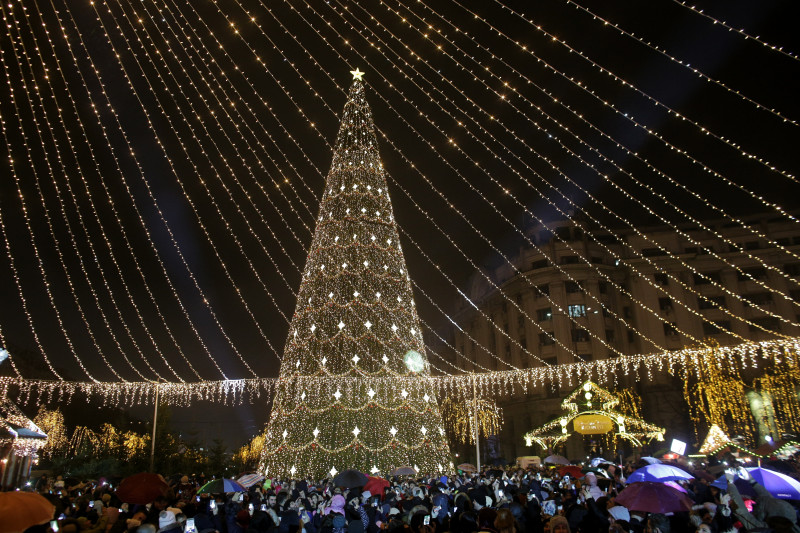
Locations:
(168, 157)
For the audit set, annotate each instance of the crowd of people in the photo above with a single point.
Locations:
(539, 499)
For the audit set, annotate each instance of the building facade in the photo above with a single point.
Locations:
(589, 295)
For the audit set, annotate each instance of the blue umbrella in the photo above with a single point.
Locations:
(779, 485)
(745, 489)
(218, 486)
(660, 473)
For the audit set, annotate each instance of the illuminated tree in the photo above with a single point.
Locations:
(459, 416)
(354, 331)
(52, 424)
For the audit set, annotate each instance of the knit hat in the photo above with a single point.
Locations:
(166, 518)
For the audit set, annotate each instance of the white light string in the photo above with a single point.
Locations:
(131, 153)
(685, 362)
(121, 277)
(740, 31)
(176, 173)
(663, 52)
(232, 173)
(735, 295)
(625, 83)
(427, 296)
(629, 152)
(652, 311)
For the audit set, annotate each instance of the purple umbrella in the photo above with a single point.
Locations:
(744, 487)
(652, 497)
(660, 473)
(779, 485)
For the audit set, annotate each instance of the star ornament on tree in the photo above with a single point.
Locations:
(357, 74)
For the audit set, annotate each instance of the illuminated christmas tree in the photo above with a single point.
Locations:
(347, 397)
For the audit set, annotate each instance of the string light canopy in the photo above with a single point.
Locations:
(228, 97)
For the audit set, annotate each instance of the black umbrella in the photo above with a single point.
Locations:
(350, 479)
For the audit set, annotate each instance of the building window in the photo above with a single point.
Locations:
(792, 269)
(520, 321)
(769, 323)
(717, 327)
(670, 329)
(543, 290)
(661, 278)
(627, 312)
(711, 302)
(752, 245)
(576, 310)
(794, 294)
(546, 339)
(572, 286)
(610, 335)
(757, 298)
(544, 314)
(597, 260)
(704, 278)
(580, 335)
(543, 263)
(602, 287)
(570, 260)
(652, 252)
(756, 273)
(631, 336)
(523, 341)
(665, 304)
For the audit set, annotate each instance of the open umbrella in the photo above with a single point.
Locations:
(556, 460)
(779, 485)
(653, 497)
(659, 472)
(651, 460)
(406, 471)
(248, 480)
(21, 510)
(744, 487)
(376, 485)
(467, 467)
(572, 471)
(218, 486)
(142, 488)
(350, 479)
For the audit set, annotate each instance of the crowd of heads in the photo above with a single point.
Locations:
(538, 499)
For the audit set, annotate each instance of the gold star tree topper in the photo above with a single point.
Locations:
(357, 74)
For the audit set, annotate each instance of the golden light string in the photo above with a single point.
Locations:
(233, 173)
(747, 36)
(452, 283)
(622, 190)
(643, 127)
(111, 203)
(411, 164)
(234, 89)
(429, 328)
(510, 223)
(29, 227)
(177, 298)
(625, 83)
(75, 246)
(635, 229)
(132, 154)
(663, 52)
(630, 118)
(675, 361)
(194, 208)
(222, 106)
(158, 140)
(629, 152)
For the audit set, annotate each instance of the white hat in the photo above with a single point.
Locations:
(393, 511)
(166, 518)
(620, 513)
(366, 494)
